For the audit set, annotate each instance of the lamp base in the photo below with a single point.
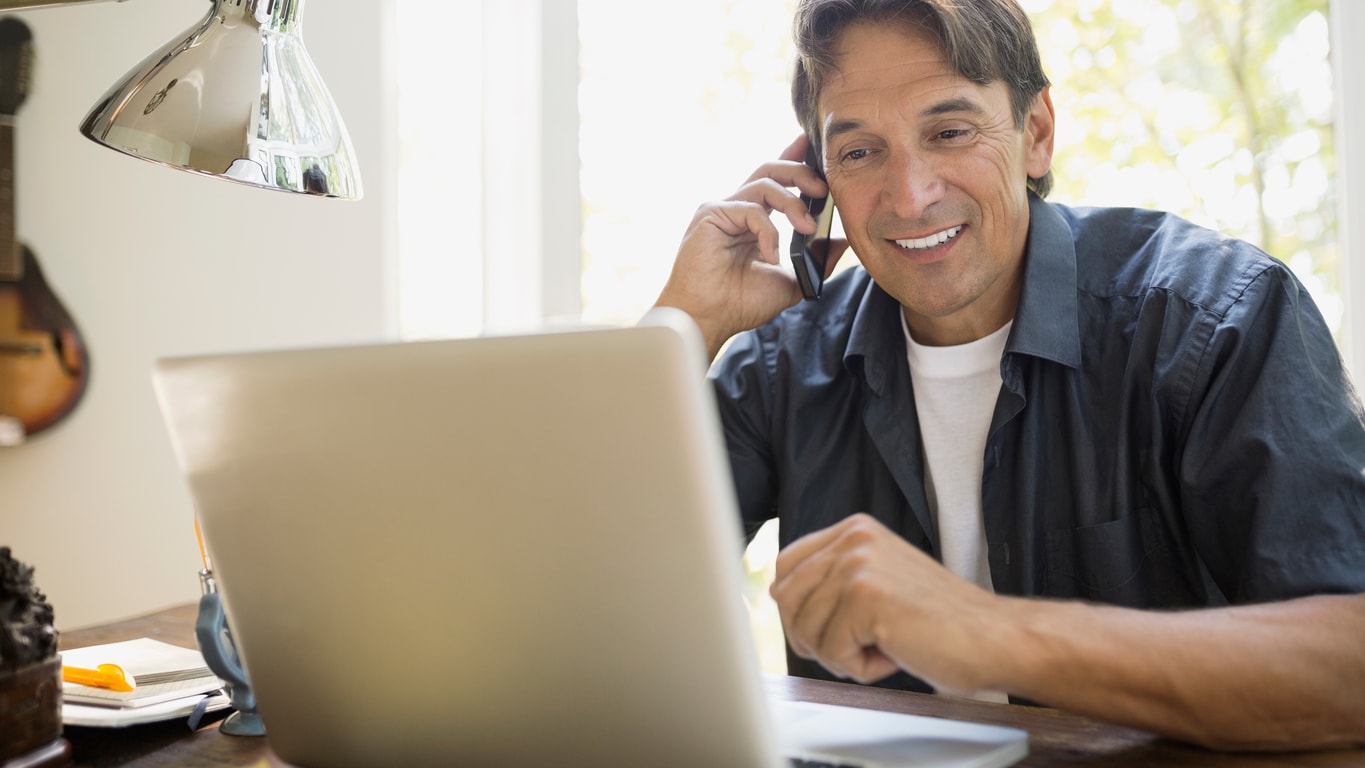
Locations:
(31, 717)
(240, 723)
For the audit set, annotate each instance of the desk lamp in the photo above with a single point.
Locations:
(236, 97)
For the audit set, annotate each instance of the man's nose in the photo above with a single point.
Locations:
(913, 183)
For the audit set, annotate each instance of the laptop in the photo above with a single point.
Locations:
(500, 551)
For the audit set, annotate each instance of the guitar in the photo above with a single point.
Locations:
(44, 367)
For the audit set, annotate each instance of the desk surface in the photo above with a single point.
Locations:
(1055, 738)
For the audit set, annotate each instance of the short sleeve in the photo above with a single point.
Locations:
(1273, 462)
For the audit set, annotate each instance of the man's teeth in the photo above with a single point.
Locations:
(932, 240)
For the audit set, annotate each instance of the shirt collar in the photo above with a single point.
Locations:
(1045, 324)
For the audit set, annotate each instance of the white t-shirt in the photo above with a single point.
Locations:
(955, 392)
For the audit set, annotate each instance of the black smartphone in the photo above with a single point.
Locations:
(809, 253)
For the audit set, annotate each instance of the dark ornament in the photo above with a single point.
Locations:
(30, 673)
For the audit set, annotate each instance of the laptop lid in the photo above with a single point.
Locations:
(514, 550)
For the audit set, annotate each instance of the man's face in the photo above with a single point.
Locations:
(930, 175)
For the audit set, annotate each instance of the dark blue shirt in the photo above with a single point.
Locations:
(1175, 427)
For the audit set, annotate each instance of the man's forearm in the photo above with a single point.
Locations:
(1287, 675)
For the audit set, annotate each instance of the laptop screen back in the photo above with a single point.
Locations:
(496, 551)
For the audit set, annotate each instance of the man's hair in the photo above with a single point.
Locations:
(985, 40)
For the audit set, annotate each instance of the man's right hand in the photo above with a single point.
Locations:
(728, 275)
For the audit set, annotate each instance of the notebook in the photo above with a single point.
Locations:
(159, 672)
(501, 551)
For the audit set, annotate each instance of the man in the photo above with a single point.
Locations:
(1009, 444)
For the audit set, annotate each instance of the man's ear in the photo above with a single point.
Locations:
(1039, 133)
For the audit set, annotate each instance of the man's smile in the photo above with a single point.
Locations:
(930, 241)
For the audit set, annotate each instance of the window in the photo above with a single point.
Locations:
(552, 159)
(1219, 110)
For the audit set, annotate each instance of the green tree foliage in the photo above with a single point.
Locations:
(1219, 110)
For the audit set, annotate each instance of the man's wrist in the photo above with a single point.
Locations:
(1027, 644)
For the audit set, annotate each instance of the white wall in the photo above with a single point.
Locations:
(153, 262)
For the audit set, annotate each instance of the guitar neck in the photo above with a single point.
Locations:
(11, 261)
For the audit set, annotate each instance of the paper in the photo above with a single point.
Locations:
(160, 672)
(113, 717)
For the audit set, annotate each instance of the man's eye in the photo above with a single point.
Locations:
(854, 155)
(951, 133)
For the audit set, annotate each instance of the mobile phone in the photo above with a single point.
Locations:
(810, 253)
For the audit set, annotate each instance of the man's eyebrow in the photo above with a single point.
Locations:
(839, 127)
(949, 106)
(938, 108)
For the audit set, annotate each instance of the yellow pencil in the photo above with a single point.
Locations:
(203, 553)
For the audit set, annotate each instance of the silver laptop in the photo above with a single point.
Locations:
(511, 551)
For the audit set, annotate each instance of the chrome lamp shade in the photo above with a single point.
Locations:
(236, 97)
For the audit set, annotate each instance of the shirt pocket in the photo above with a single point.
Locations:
(1128, 562)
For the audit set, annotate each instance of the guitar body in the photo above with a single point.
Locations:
(43, 363)
(44, 367)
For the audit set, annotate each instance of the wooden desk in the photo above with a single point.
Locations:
(1056, 738)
